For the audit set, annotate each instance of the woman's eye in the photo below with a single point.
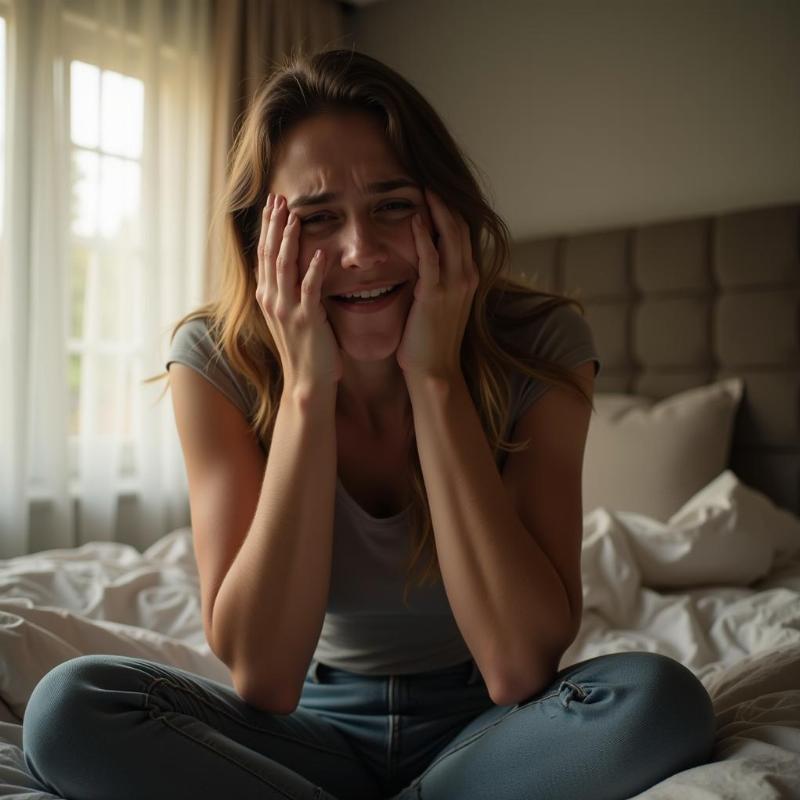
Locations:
(315, 218)
(400, 205)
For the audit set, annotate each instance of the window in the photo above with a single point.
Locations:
(123, 84)
(106, 103)
(106, 112)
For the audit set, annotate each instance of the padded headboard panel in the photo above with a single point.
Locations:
(687, 302)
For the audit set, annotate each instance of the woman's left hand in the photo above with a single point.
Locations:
(443, 293)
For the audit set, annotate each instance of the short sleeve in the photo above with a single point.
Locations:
(562, 336)
(194, 347)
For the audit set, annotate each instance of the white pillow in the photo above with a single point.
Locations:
(34, 639)
(650, 456)
(727, 534)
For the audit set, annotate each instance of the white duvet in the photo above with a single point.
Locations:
(717, 588)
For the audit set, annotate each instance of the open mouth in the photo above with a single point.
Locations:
(380, 300)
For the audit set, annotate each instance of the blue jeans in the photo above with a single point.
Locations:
(106, 727)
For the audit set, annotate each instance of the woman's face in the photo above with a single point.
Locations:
(364, 231)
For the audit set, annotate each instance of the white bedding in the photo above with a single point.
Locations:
(717, 588)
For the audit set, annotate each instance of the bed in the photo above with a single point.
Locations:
(691, 540)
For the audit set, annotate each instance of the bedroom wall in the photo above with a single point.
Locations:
(585, 115)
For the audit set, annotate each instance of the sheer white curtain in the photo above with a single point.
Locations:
(107, 125)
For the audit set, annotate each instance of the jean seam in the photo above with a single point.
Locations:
(581, 691)
(204, 700)
(154, 714)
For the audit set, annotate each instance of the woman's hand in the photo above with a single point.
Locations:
(295, 316)
(443, 294)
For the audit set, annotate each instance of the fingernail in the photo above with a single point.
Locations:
(269, 199)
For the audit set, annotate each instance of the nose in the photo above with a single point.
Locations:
(362, 246)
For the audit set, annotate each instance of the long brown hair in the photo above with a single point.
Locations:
(307, 84)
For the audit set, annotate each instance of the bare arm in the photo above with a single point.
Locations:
(270, 607)
(506, 591)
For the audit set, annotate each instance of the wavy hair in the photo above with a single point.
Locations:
(301, 86)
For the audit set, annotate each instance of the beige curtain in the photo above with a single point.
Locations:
(249, 37)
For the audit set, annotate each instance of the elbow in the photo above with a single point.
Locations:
(513, 692)
(535, 664)
(264, 699)
(520, 682)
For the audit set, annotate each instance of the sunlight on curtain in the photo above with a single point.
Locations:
(118, 129)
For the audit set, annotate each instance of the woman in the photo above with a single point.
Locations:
(330, 441)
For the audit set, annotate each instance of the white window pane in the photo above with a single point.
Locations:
(84, 103)
(116, 290)
(85, 181)
(108, 376)
(128, 400)
(132, 198)
(80, 264)
(119, 194)
(123, 103)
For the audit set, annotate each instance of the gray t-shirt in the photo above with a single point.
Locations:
(367, 628)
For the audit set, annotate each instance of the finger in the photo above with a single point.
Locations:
(262, 239)
(466, 244)
(429, 270)
(273, 245)
(449, 237)
(312, 282)
(286, 266)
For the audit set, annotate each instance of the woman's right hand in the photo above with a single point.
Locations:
(295, 316)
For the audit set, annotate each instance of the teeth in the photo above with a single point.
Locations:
(373, 293)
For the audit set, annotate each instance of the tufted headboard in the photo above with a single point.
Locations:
(687, 302)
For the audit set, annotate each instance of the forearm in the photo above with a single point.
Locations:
(507, 598)
(270, 608)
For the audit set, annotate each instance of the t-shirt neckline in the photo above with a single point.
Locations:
(364, 513)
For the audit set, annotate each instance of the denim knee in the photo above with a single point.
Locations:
(674, 700)
(57, 716)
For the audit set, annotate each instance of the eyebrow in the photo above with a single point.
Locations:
(379, 187)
